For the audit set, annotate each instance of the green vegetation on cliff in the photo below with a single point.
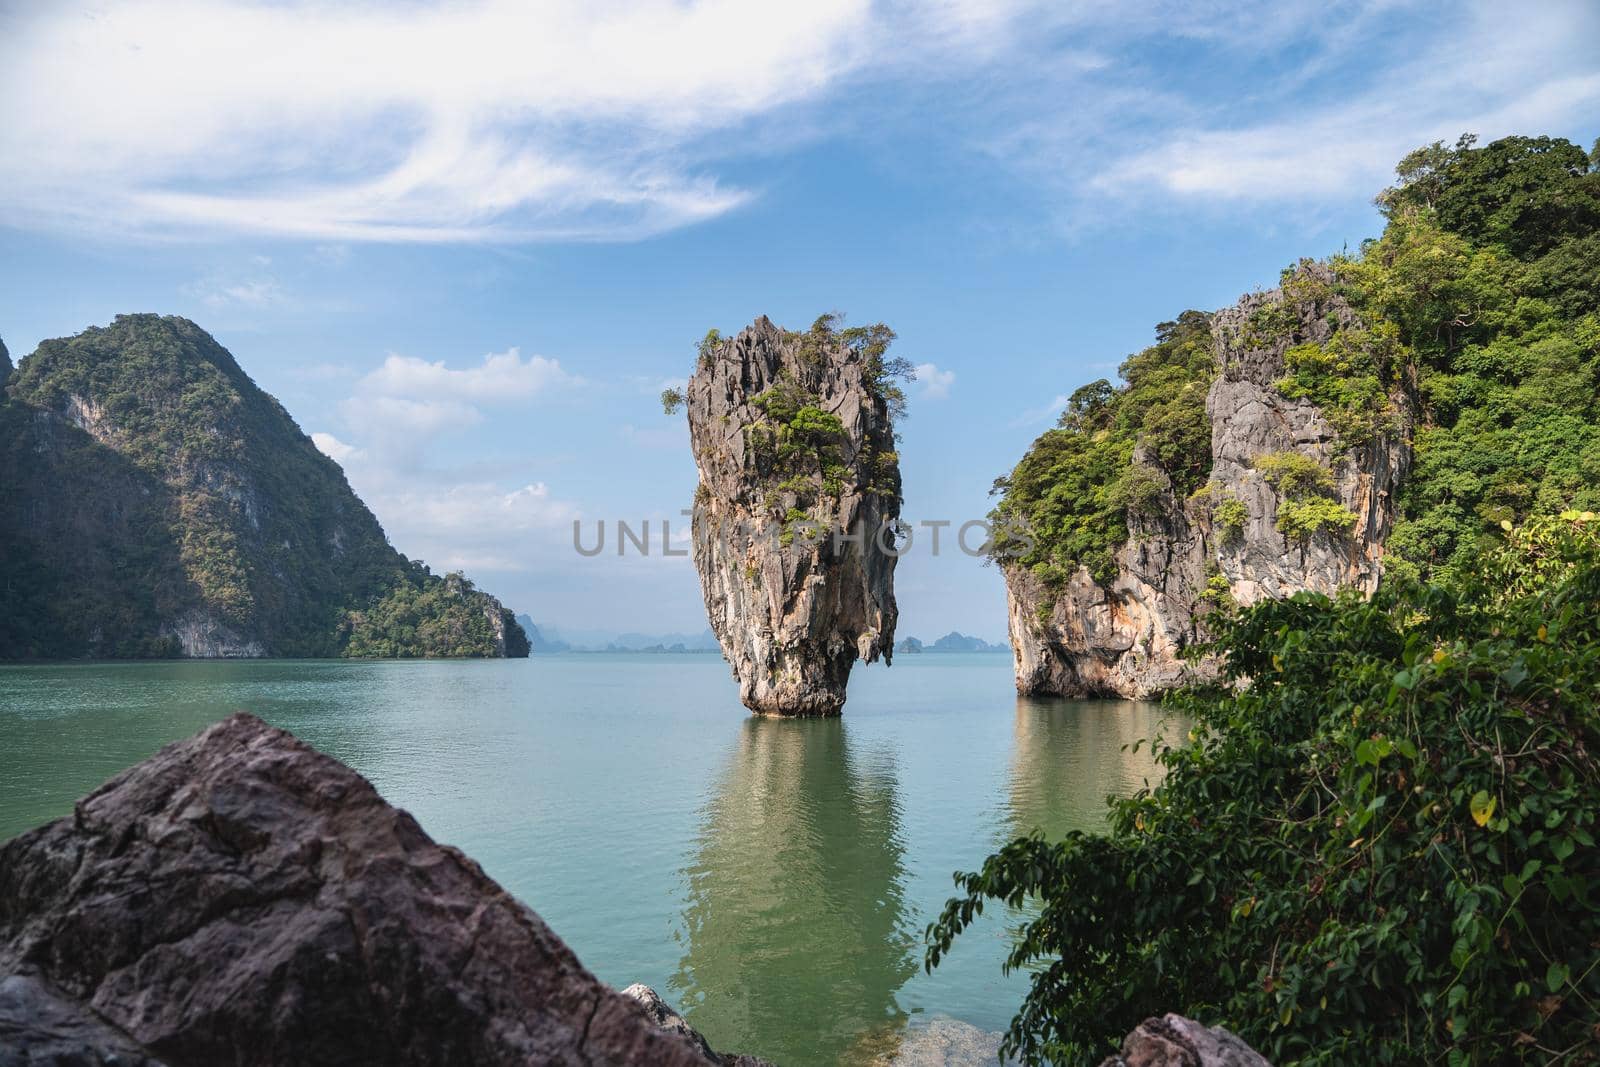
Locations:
(1379, 844)
(1480, 312)
(1489, 271)
(1078, 483)
(153, 491)
(1379, 848)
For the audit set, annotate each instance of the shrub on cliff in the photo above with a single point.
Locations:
(1075, 487)
(1378, 849)
(1479, 317)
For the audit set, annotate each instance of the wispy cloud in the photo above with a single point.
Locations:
(337, 122)
(1048, 413)
(406, 402)
(933, 383)
(1329, 136)
(254, 286)
(504, 120)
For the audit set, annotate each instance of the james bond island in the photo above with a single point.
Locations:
(794, 517)
(424, 644)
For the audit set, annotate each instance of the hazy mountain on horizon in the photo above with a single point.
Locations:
(550, 638)
(954, 641)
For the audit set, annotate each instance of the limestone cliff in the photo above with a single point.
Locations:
(154, 501)
(794, 516)
(1243, 536)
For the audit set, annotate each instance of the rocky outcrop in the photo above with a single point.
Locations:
(794, 516)
(1173, 1041)
(154, 501)
(240, 898)
(1126, 637)
(661, 1014)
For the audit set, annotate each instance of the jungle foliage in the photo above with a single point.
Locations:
(1077, 485)
(1378, 844)
(1378, 849)
(148, 479)
(1479, 320)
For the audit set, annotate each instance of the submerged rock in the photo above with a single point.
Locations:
(796, 512)
(240, 898)
(1125, 637)
(1173, 1041)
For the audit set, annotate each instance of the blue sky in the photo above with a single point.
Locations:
(466, 244)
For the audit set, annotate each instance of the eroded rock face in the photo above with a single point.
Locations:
(793, 599)
(1125, 638)
(1173, 1041)
(240, 898)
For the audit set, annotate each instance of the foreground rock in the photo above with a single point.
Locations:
(661, 1014)
(1173, 1041)
(1126, 637)
(241, 899)
(794, 439)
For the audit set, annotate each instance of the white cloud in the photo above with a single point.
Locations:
(493, 119)
(412, 423)
(400, 408)
(503, 377)
(336, 449)
(1048, 413)
(1502, 69)
(217, 292)
(934, 383)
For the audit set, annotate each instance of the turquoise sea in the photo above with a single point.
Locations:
(770, 878)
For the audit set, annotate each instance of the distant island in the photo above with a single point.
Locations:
(154, 502)
(954, 641)
(545, 637)
(548, 638)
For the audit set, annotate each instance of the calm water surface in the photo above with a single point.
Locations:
(771, 878)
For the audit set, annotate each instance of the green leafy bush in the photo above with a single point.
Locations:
(1294, 475)
(1301, 520)
(1231, 515)
(1139, 490)
(1069, 491)
(1378, 848)
(706, 348)
(1351, 377)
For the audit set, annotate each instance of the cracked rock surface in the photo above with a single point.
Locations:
(240, 898)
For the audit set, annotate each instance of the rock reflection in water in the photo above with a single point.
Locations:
(796, 927)
(1070, 755)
